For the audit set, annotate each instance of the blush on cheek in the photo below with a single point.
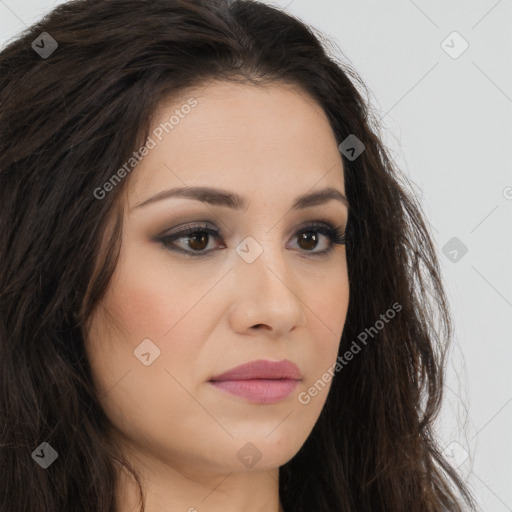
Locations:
(331, 306)
(140, 306)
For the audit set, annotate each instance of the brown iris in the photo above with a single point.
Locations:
(198, 241)
(309, 236)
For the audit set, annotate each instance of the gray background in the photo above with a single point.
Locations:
(448, 124)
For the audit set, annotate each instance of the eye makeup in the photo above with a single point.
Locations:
(199, 233)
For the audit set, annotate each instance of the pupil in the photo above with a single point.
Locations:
(312, 236)
(194, 238)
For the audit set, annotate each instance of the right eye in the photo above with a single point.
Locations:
(196, 238)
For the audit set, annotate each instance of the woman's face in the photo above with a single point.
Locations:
(180, 312)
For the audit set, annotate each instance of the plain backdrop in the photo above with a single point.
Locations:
(440, 77)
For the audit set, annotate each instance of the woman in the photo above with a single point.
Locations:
(215, 292)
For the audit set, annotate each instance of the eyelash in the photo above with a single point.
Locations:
(336, 236)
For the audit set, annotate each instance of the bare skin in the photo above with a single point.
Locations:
(209, 313)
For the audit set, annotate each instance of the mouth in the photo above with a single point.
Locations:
(260, 381)
(260, 391)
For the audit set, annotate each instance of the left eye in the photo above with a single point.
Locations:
(197, 238)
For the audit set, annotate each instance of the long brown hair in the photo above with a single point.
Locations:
(69, 119)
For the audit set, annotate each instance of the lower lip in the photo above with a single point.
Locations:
(260, 391)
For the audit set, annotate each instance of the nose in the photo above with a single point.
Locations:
(266, 296)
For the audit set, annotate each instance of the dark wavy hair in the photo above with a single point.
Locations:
(68, 121)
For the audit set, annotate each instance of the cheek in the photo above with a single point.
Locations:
(328, 305)
(135, 308)
(327, 314)
(145, 301)
(133, 394)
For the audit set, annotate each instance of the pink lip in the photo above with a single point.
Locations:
(260, 381)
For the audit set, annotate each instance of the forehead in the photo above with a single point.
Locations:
(274, 139)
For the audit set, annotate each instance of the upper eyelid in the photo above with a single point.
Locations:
(332, 231)
(192, 227)
(205, 225)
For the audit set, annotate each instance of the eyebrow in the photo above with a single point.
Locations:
(219, 197)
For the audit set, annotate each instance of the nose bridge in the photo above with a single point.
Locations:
(265, 287)
(264, 256)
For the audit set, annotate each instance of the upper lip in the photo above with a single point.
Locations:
(262, 369)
